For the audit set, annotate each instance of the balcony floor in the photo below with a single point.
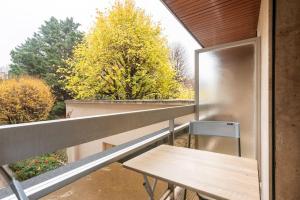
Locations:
(112, 182)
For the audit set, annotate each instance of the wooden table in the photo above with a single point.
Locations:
(214, 175)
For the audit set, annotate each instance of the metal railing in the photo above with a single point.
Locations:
(22, 141)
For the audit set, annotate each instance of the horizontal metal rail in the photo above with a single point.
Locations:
(22, 141)
(44, 184)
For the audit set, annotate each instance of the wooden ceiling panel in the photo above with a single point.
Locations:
(214, 22)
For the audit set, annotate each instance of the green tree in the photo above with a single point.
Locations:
(42, 54)
(124, 56)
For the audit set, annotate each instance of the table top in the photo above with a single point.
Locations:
(211, 174)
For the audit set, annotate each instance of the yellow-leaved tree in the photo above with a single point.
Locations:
(124, 56)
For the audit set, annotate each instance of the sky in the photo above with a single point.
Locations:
(19, 19)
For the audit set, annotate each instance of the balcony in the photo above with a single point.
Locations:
(237, 90)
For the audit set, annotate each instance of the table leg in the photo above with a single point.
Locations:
(196, 141)
(171, 187)
(150, 189)
(185, 194)
(200, 197)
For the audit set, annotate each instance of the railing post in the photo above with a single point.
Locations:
(171, 187)
(197, 95)
(171, 129)
(14, 184)
(197, 86)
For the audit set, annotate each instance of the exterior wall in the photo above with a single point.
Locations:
(88, 108)
(265, 139)
(287, 100)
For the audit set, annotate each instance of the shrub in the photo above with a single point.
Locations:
(29, 168)
(24, 99)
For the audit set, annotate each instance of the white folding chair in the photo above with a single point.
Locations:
(216, 128)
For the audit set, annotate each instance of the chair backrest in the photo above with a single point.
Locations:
(215, 128)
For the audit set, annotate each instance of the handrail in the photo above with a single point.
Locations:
(51, 181)
(22, 141)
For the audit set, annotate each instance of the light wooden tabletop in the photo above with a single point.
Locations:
(214, 175)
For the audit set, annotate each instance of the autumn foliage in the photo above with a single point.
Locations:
(124, 56)
(24, 100)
